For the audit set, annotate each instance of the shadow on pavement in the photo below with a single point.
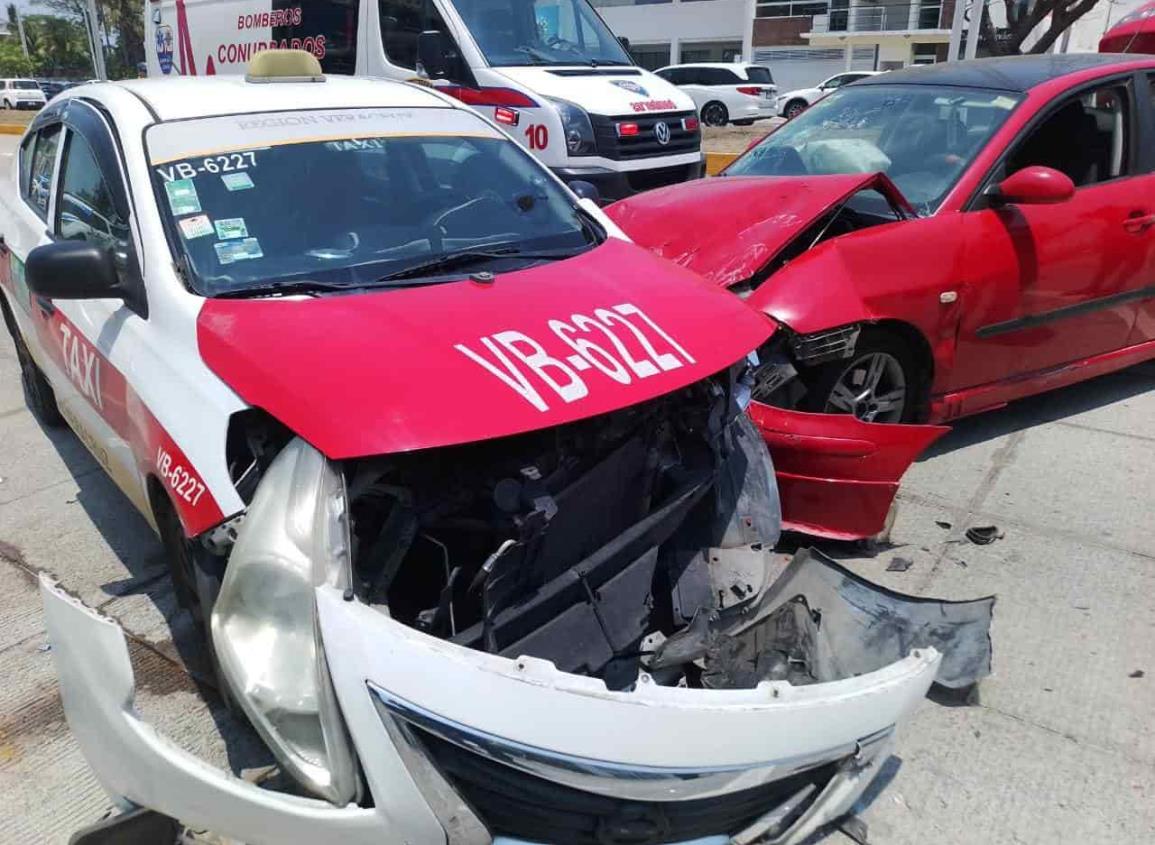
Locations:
(1053, 406)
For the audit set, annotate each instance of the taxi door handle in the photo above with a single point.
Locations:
(1139, 221)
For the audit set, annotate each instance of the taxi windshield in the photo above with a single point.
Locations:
(333, 199)
(922, 136)
(540, 32)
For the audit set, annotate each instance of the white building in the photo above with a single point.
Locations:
(803, 41)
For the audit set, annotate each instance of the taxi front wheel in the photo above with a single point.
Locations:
(196, 579)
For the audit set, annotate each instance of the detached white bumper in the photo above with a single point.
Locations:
(133, 762)
(653, 744)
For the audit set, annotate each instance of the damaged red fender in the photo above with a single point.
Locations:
(837, 475)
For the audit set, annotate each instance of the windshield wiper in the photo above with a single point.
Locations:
(469, 257)
(287, 287)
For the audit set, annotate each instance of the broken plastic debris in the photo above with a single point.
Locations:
(855, 828)
(899, 564)
(982, 535)
(942, 523)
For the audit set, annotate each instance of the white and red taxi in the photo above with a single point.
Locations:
(457, 479)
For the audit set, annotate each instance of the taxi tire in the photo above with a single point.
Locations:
(181, 555)
(38, 393)
(193, 592)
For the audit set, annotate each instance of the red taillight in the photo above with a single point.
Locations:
(627, 130)
(509, 117)
(488, 96)
(690, 124)
(750, 89)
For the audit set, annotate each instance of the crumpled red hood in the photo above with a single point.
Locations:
(728, 228)
(415, 368)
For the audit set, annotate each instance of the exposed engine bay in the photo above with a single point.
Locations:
(586, 545)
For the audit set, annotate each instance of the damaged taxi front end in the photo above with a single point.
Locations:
(570, 635)
(505, 571)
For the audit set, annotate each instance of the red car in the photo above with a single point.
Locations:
(932, 242)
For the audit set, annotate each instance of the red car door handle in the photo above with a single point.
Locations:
(1139, 221)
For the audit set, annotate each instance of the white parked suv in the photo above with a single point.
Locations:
(21, 94)
(725, 93)
(793, 103)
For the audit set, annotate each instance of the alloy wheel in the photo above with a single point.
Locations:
(873, 388)
(714, 115)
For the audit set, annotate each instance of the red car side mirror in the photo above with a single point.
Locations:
(1034, 185)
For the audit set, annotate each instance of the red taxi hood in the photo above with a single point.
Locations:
(728, 228)
(414, 368)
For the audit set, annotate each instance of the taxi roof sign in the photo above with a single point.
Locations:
(284, 66)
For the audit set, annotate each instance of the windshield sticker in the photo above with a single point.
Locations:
(232, 227)
(196, 227)
(229, 252)
(225, 163)
(1001, 102)
(182, 197)
(237, 181)
(356, 144)
(627, 346)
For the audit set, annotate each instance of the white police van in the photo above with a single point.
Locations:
(550, 71)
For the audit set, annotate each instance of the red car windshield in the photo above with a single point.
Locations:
(923, 137)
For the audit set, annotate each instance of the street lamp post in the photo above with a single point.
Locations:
(94, 43)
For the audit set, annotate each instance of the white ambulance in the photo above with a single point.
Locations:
(550, 71)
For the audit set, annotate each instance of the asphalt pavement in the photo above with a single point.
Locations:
(1057, 747)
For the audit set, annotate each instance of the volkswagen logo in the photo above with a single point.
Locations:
(662, 132)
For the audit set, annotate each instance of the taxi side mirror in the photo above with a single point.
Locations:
(81, 270)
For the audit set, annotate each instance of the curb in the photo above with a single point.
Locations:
(715, 162)
(12, 129)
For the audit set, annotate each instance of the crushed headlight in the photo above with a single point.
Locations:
(579, 132)
(264, 629)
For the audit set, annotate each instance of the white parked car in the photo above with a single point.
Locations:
(21, 94)
(793, 103)
(725, 93)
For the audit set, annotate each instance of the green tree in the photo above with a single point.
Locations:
(58, 46)
(121, 31)
(13, 62)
